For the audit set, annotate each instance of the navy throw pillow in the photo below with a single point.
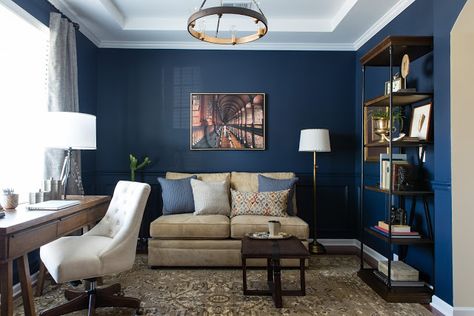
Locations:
(177, 195)
(266, 184)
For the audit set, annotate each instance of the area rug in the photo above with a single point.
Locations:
(332, 288)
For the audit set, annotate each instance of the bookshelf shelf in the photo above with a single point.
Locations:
(420, 295)
(399, 99)
(405, 193)
(400, 143)
(389, 53)
(400, 241)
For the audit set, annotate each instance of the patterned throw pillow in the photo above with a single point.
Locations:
(177, 195)
(266, 184)
(259, 203)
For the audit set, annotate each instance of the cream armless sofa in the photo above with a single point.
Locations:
(214, 240)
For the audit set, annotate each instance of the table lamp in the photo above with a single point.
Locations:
(315, 140)
(70, 131)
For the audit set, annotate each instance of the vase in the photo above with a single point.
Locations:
(9, 201)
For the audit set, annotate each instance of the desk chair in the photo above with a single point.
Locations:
(108, 248)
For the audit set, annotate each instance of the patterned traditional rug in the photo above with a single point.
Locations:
(332, 288)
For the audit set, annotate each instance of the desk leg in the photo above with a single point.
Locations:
(277, 283)
(6, 288)
(25, 281)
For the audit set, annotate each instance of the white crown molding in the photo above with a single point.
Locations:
(15, 8)
(206, 46)
(398, 8)
(341, 14)
(67, 10)
(114, 11)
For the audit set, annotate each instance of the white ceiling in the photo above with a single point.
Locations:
(292, 24)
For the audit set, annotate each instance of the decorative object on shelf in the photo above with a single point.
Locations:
(398, 216)
(405, 67)
(9, 199)
(315, 140)
(227, 121)
(398, 84)
(371, 154)
(381, 124)
(70, 131)
(420, 122)
(135, 165)
(227, 14)
(400, 271)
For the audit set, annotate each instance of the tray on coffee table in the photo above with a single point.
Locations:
(266, 235)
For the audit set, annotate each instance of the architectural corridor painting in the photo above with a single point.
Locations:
(227, 121)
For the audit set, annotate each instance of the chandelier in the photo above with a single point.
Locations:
(228, 20)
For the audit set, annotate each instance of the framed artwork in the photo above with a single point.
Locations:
(420, 122)
(371, 154)
(227, 121)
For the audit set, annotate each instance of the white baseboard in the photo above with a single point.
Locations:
(463, 311)
(441, 306)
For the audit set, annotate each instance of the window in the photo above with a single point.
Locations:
(23, 98)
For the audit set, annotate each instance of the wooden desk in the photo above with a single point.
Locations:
(22, 231)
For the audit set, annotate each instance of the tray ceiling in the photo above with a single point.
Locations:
(293, 25)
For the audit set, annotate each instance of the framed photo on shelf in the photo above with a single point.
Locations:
(227, 121)
(420, 122)
(371, 154)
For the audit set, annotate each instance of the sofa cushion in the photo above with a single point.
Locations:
(207, 177)
(248, 181)
(190, 226)
(243, 224)
(259, 203)
(211, 197)
(266, 184)
(177, 195)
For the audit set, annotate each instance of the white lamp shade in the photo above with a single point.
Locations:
(70, 130)
(315, 140)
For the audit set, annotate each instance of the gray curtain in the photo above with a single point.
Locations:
(63, 94)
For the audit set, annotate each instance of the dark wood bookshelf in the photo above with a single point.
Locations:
(396, 192)
(400, 241)
(414, 46)
(415, 294)
(399, 99)
(401, 143)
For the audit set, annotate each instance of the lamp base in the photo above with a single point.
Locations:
(316, 248)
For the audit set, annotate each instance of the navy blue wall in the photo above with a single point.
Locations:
(423, 17)
(143, 108)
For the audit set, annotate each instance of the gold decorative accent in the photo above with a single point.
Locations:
(221, 11)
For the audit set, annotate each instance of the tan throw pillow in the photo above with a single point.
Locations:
(259, 203)
(210, 197)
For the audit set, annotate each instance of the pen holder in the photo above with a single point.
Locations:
(9, 201)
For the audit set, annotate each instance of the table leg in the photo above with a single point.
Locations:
(244, 274)
(25, 282)
(40, 281)
(6, 288)
(269, 271)
(302, 277)
(277, 283)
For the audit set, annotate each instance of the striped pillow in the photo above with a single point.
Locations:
(259, 203)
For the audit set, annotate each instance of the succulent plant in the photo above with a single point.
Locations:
(135, 165)
(8, 191)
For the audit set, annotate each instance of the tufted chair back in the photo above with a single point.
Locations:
(122, 223)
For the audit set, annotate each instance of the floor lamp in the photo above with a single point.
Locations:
(315, 140)
(70, 131)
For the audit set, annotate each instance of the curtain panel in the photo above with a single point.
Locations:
(63, 94)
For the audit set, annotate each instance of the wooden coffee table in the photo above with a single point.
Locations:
(274, 250)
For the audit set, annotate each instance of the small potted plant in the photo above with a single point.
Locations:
(135, 165)
(9, 199)
(381, 125)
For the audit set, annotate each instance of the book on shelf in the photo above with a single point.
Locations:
(411, 235)
(386, 157)
(399, 271)
(395, 228)
(384, 279)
